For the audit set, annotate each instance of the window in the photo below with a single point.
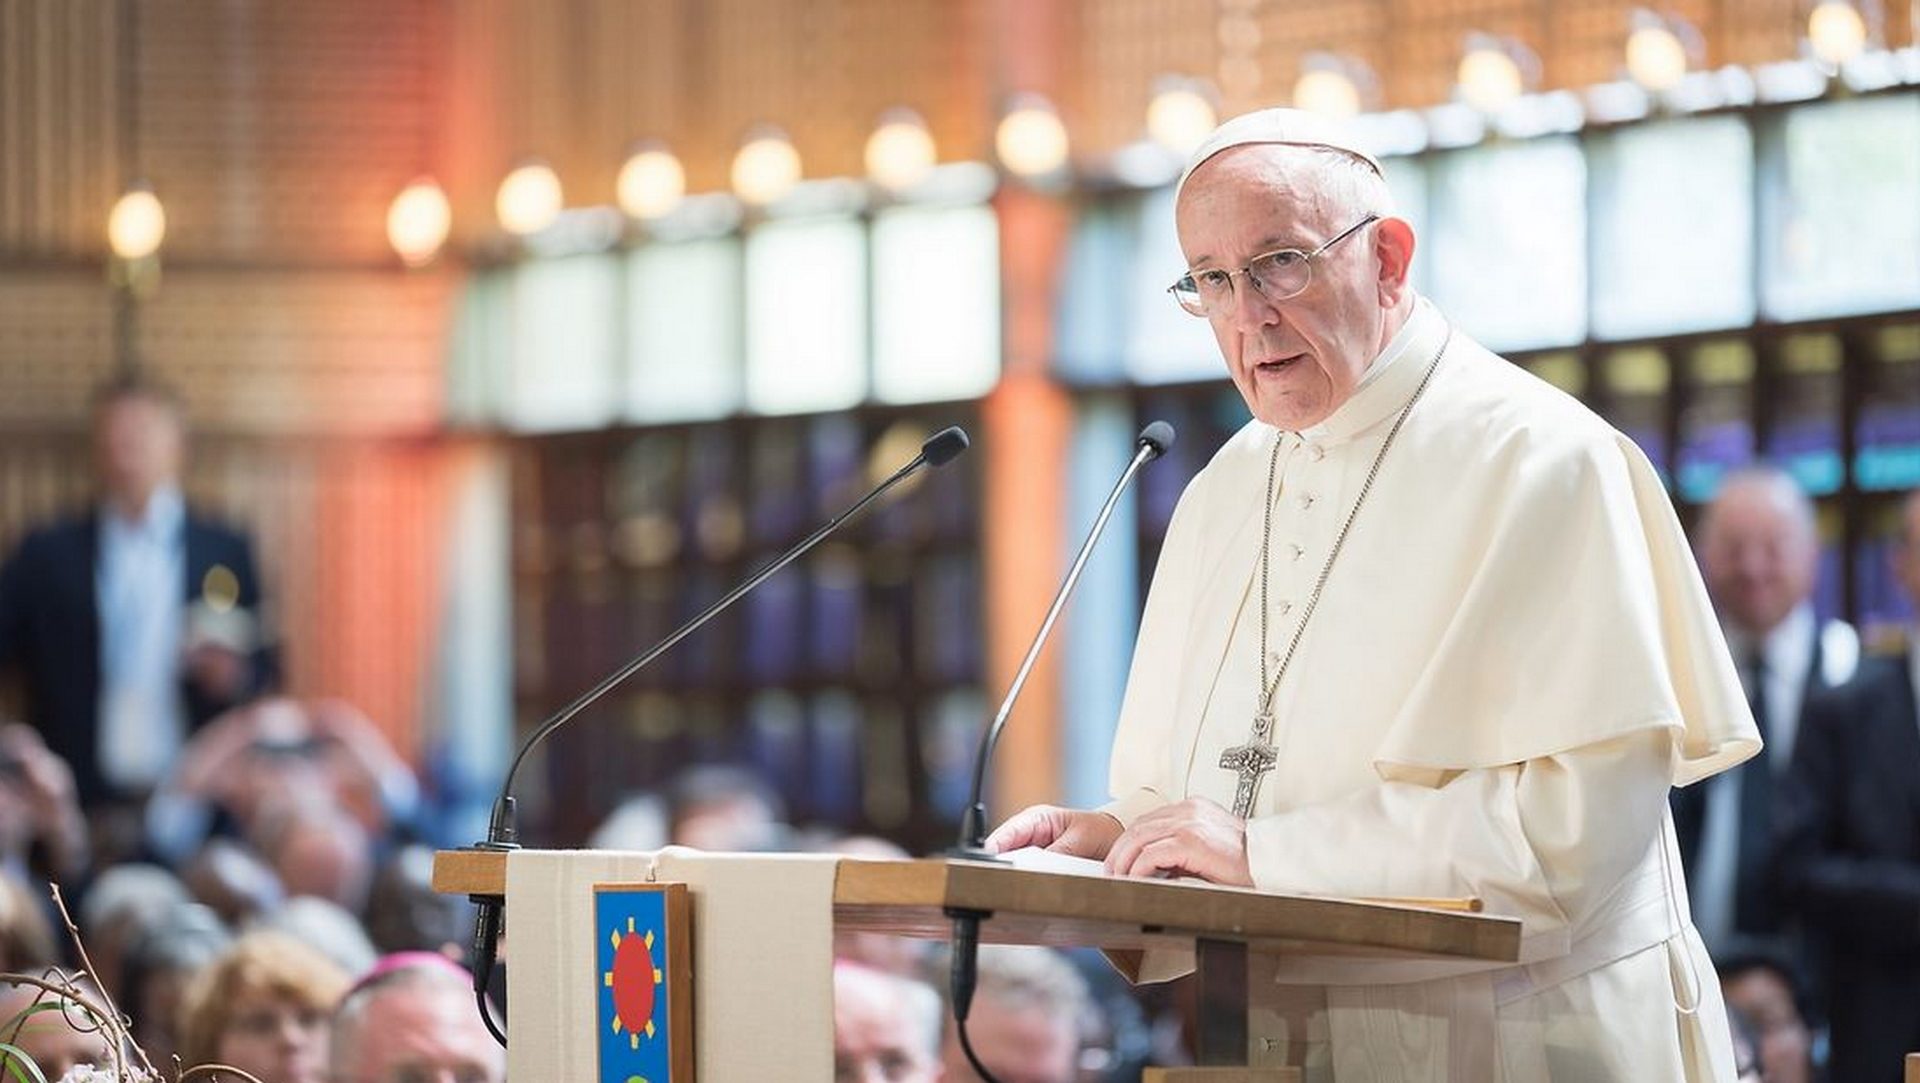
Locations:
(1509, 248)
(806, 316)
(683, 313)
(1673, 236)
(561, 373)
(936, 295)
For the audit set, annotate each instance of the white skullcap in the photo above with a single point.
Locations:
(1291, 127)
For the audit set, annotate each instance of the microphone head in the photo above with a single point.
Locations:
(944, 446)
(1157, 437)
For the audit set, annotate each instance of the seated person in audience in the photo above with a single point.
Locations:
(57, 1041)
(43, 833)
(326, 927)
(1746, 1053)
(413, 1018)
(404, 913)
(160, 968)
(254, 759)
(265, 1007)
(26, 935)
(122, 905)
(1759, 984)
(720, 807)
(1030, 1016)
(1850, 846)
(317, 850)
(886, 1028)
(232, 879)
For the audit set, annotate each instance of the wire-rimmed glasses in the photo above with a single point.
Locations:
(1277, 275)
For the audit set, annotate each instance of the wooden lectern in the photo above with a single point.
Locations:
(1221, 925)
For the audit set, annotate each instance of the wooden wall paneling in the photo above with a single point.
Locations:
(279, 133)
(60, 164)
(56, 337)
(303, 351)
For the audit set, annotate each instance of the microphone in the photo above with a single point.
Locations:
(1153, 442)
(502, 832)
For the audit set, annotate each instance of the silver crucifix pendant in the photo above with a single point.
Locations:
(1251, 761)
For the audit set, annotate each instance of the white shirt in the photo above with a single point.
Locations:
(1787, 653)
(140, 579)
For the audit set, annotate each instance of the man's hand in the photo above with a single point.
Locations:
(1063, 830)
(1194, 837)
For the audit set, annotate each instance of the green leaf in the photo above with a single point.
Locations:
(21, 1066)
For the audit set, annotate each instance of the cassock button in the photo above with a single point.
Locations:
(1285, 608)
(1316, 452)
(1296, 551)
(1306, 501)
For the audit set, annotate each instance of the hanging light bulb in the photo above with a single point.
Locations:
(1327, 91)
(137, 224)
(418, 222)
(900, 152)
(529, 199)
(1180, 116)
(1489, 76)
(1836, 31)
(1031, 141)
(651, 183)
(1656, 57)
(766, 167)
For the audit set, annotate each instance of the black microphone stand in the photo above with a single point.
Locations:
(1152, 442)
(502, 830)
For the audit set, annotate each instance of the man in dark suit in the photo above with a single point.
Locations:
(1849, 846)
(1759, 553)
(134, 623)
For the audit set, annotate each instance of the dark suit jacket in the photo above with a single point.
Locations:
(1758, 913)
(1849, 862)
(50, 632)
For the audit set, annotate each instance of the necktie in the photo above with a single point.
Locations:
(1751, 911)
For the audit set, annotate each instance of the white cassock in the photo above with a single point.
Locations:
(1512, 661)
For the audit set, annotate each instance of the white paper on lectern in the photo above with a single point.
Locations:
(1035, 859)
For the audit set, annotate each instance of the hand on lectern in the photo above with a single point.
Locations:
(1195, 837)
(1062, 830)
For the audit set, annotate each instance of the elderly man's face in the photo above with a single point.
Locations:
(415, 1034)
(1297, 360)
(877, 1035)
(1017, 1044)
(1758, 554)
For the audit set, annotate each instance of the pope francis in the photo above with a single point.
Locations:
(1426, 626)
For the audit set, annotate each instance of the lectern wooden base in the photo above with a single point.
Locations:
(1220, 1075)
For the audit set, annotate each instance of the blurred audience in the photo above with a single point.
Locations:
(1850, 847)
(57, 1041)
(122, 907)
(317, 850)
(413, 1018)
(406, 914)
(42, 830)
(264, 1007)
(230, 877)
(638, 824)
(886, 1028)
(1030, 1017)
(1759, 553)
(160, 968)
(720, 807)
(27, 945)
(137, 621)
(277, 753)
(326, 927)
(1762, 987)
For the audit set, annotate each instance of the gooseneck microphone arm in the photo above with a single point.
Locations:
(503, 832)
(1153, 442)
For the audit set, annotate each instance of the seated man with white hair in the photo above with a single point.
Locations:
(413, 1018)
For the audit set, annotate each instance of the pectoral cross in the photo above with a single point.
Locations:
(1251, 761)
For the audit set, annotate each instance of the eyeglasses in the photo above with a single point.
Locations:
(1277, 275)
